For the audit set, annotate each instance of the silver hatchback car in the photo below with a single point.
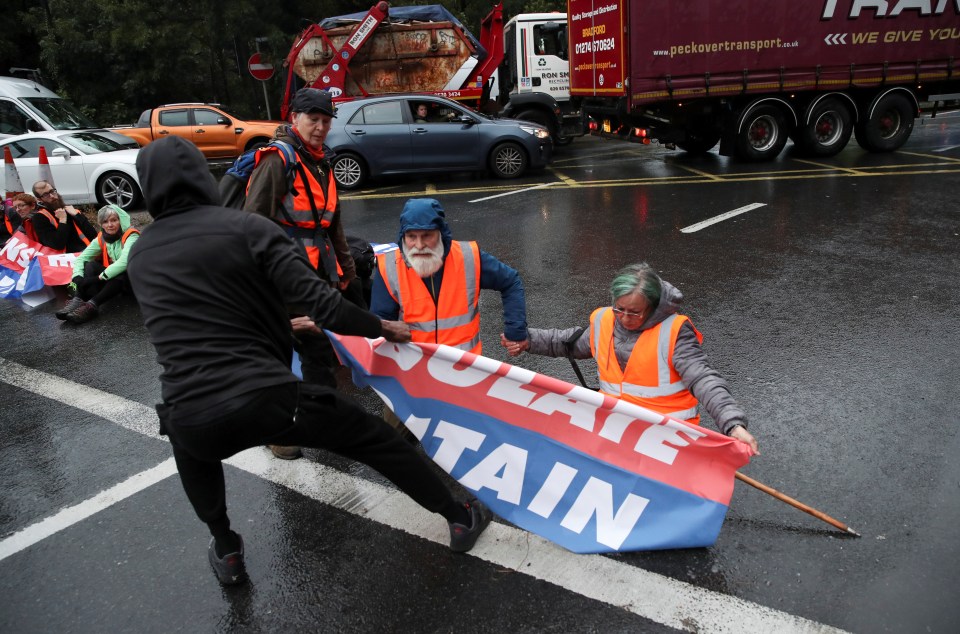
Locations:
(405, 134)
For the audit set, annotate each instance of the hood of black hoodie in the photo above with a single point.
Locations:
(174, 176)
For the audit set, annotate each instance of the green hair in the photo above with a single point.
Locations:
(636, 278)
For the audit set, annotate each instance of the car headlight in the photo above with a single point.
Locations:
(540, 133)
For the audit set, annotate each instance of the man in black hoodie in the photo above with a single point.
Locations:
(215, 288)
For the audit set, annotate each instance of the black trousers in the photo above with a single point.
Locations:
(293, 414)
(93, 288)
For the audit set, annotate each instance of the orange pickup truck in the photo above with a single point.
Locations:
(216, 133)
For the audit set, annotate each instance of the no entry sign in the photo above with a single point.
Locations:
(259, 69)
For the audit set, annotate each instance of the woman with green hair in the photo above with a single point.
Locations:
(100, 271)
(647, 353)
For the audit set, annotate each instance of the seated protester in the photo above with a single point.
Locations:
(21, 206)
(58, 225)
(100, 271)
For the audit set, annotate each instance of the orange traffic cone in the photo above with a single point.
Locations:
(13, 186)
(44, 166)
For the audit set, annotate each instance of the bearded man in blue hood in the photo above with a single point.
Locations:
(433, 282)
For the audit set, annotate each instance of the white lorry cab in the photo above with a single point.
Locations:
(26, 106)
(536, 63)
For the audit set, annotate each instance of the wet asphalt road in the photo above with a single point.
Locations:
(831, 310)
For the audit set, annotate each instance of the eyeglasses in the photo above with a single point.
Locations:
(626, 313)
(52, 192)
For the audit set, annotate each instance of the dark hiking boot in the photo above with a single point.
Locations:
(69, 307)
(285, 453)
(462, 538)
(229, 569)
(83, 313)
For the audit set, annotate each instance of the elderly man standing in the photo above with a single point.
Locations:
(433, 283)
(303, 200)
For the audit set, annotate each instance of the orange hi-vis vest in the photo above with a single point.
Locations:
(105, 257)
(454, 319)
(31, 232)
(649, 379)
(305, 204)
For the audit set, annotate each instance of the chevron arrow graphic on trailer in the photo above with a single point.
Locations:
(835, 38)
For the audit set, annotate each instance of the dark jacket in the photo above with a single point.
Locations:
(64, 236)
(426, 213)
(216, 286)
(269, 185)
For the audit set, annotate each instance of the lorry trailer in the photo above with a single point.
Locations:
(750, 74)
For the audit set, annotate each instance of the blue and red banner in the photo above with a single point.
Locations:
(585, 470)
(26, 266)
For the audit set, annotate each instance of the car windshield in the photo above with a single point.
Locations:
(91, 142)
(60, 113)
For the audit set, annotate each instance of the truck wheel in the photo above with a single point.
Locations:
(763, 135)
(349, 171)
(699, 141)
(889, 126)
(508, 160)
(536, 116)
(828, 131)
(117, 188)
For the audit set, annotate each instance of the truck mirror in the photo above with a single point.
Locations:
(33, 125)
(549, 27)
(61, 152)
(223, 121)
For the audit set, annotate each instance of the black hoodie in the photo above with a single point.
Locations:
(216, 286)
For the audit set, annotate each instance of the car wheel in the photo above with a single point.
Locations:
(117, 188)
(508, 160)
(349, 170)
(256, 143)
(889, 126)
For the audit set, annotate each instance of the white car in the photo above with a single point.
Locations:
(87, 166)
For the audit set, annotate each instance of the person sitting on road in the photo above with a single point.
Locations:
(58, 225)
(647, 353)
(100, 271)
(21, 206)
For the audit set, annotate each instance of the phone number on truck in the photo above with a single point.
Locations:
(607, 44)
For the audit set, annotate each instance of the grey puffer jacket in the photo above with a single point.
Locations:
(689, 360)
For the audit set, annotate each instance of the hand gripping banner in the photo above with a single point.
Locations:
(585, 470)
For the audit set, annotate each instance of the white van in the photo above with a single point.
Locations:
(26, 106)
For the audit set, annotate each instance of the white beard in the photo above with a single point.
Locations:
(425, 261)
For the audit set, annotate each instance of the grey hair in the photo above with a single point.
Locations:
(636, 278)
(105, 212)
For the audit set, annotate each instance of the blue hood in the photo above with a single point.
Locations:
(425, 214)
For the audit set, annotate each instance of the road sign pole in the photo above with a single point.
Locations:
(263, 83)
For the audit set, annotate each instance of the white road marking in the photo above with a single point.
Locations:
(650, 595)
(722, 217)
(946, 149)
(516, 191)
(69, 516)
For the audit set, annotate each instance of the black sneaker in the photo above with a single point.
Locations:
(462, 538)
(82, 313)
(229, 568)
(69, 307)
